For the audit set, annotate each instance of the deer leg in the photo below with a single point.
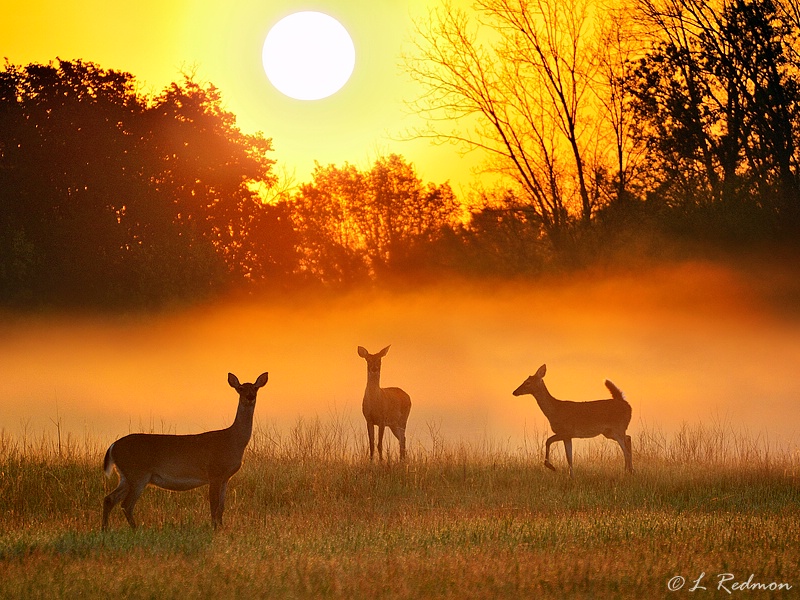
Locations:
(371, 434)
(400, 434)
(628, 454)
(110, 501)
(550, 440)
(134, 491)
(568, 450)
(381, 429)
(624, 442)
(216, 497)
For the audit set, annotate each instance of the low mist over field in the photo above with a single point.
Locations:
(692, 343)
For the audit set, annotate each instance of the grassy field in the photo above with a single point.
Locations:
(308, 517)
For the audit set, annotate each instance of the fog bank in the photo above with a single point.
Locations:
(690, 343)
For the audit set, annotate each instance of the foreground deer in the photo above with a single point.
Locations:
(581, 419)
(384, 407)
(182, 462)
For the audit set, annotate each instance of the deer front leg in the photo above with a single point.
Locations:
(216, 498)
(381, 429)
(550, 440)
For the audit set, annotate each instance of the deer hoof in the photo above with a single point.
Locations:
(549, 466)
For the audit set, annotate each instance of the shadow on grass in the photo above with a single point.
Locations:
(169, 541)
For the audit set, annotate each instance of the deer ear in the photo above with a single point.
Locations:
(383, 352)
(542, 370)
(262, 380)
(362, 352)
(233, 381)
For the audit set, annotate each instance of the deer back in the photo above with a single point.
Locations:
(588, 419)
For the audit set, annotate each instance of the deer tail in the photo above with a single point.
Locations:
(616, 393)
(108, 462)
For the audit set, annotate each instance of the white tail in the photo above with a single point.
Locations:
(581, 419)
(182, 462)
(384, 407)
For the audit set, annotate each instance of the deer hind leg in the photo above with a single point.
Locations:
(381, 429)
(400, 434)
(110, 501)
(134, 492)
(628, 454)
(216, 497)
(550, 440)
(624, 442)
(568, 450)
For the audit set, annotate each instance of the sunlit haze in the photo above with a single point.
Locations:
(695, 343)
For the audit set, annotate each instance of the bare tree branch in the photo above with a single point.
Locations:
(516, 79)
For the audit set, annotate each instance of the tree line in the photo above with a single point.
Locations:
(112, 197)
(662, 119)
(683, 109)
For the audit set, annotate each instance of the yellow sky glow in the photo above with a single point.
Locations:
(222, 43)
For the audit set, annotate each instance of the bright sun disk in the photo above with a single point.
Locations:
(308, 56)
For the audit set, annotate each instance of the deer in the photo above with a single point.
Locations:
(182, 462)
(383, 407)
(570, 420)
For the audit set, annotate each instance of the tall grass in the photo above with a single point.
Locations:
(309, 516)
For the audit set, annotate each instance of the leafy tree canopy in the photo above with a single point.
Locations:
(111, 196)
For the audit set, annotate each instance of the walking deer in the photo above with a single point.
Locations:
(384, 407)
(581, 419)
(182, 462)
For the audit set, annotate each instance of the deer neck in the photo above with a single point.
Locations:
(545, 399)
(373, 389)
(242, 427)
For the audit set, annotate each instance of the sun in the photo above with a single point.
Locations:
(308, 55)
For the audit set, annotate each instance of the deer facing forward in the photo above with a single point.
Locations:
(383, 407)
(581, 419)
(182, 462)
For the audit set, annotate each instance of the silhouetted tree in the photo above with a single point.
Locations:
(209, 167)
(718, 98)
(519, 76)
(620, 42)
(69, 180)
(272, 249)
(504, 236)
(401, 214)
(331, 243)
(108, 196)
(355, 224)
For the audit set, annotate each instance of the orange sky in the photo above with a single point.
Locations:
(222, 42)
